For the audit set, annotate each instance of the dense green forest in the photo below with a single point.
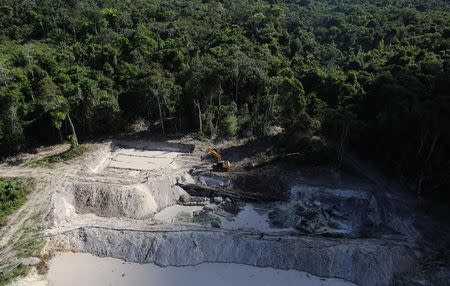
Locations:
(370, 75)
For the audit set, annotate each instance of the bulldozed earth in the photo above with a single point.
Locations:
(146, 211)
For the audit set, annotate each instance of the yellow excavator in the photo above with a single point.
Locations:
(221, 164)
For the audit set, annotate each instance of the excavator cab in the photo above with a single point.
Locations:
(221, 164)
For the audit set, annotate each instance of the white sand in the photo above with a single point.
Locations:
(136, 159)
(169, 214)
(101, 165)
(250, 218)
(149, 153)
(75, 269)
(32, 279)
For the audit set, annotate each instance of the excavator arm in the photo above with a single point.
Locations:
(211, 151)
(225, 165)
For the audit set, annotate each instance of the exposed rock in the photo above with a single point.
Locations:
(230, 206)
(30, 261)
(209, 208)
(330, 212)
(218, 200)
(216, 223)
(214, 181)
(187, 200)
(282, 218)
(206, 218)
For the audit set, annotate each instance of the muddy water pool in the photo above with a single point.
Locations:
(74, 269)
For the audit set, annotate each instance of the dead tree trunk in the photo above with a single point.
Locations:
(74, 139)
(340, 155)
(236, 90)
(220, 92)
(200, 124)
(161, 115)
(419, 184)
(74, 34)
(426, 166)
(433, 145)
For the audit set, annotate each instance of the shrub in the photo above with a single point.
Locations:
(12, 196)
(230, 125)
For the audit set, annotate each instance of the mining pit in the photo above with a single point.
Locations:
(153, 213)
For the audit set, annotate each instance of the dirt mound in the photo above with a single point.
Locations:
(131, 201)
(164, 191)
(114, 201)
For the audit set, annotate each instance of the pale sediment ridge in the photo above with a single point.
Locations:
(364, 262)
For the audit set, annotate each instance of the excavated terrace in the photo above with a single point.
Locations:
(135, 201)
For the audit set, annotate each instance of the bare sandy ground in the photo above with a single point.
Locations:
(135, 159)
(88, 270)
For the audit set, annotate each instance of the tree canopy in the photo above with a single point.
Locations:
(373, 74)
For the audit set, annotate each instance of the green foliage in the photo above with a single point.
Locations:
(371, 71)
(72, 153)
(7, 276)
(144, 41)
(230, 123)
(26, 246)
(310, 151)
(13, 194)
